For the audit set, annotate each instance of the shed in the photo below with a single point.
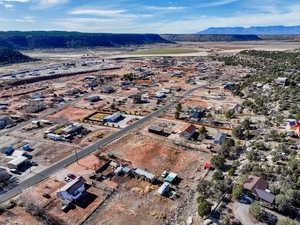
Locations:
(17, 162)
(171, 177)
(156, 130)
(164, 188)
(145, 174)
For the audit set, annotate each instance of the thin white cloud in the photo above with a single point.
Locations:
(21, 1)
(26, 19)
(118, 13)
(215, 3)
(44, 4)
(97, 12)
(166, 8)
(8, 6)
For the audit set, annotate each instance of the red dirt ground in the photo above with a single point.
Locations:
(156, 156)
(72, 113)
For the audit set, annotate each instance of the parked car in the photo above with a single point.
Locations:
(72, 176)
(245, 199)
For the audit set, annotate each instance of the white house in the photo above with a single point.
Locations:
(72, 190)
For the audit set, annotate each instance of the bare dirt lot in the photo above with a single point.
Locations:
(156, 156)
(72, 113)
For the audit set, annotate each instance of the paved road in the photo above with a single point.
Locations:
(71, 159)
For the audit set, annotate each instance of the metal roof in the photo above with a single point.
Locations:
(264, 195)
(171, 177)
(126, 169)
(144, 173)
(163, 188)
(114, 116)
(17, 161)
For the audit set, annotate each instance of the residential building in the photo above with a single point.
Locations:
(72, 190)
(257, 186)
(188, 131)
(114, 118)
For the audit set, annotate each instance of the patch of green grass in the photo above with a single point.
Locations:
(159, 51)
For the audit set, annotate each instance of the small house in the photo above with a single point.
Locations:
(114, 118)
(257, 186)
(72, 190)
(188, 131)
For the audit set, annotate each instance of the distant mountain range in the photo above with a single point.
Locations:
(260, 30)
(209, 37)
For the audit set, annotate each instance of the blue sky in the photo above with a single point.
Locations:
(144, 16)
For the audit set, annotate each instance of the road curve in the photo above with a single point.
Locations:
(37, 178)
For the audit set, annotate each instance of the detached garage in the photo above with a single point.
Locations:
(18, 162)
